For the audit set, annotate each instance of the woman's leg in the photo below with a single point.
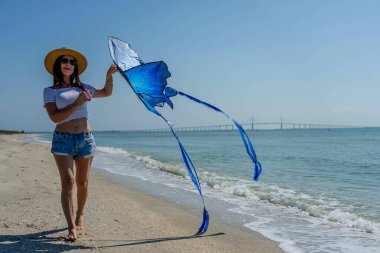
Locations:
(83, 166)
(65, 166)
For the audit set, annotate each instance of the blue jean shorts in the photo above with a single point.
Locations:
(73, 144)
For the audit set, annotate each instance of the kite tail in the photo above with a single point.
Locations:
(193, 175)
(247, 142)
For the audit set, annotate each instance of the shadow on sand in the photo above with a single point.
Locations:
(154, 240)
(36, 242)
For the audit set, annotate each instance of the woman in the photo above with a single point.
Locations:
(66, 103)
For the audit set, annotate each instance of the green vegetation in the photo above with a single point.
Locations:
(11, 132)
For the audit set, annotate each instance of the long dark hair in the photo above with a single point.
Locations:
(58, 76)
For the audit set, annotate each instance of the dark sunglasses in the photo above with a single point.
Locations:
(65, 61)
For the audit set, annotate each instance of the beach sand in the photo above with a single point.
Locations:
(117, 219)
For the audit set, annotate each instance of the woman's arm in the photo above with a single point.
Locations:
(108, 86)
(57, 115)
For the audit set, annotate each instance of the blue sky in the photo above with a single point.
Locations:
(305, 61)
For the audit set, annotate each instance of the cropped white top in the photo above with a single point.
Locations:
(66, 96)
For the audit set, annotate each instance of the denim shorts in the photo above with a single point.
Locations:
(73, 144)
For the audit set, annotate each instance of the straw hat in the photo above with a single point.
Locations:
(52, 56)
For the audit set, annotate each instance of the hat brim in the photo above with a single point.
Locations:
(52, 56)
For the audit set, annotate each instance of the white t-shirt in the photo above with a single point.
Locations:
(66, 96)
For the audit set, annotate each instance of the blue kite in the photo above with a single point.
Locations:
(148, 81)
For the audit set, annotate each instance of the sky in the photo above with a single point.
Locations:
(306, 61)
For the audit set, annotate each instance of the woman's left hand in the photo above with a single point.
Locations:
(112, 69)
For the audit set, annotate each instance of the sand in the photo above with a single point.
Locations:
(117, 218)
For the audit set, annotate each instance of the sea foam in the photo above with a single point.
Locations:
(325, 208)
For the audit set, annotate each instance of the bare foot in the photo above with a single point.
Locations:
(72, 236)
(79, 223)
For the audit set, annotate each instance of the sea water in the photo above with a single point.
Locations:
(318, 192)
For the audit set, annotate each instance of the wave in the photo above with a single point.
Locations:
(147, 161)
(351, 220)
(319, 206)
(36, 138)
(314, 206)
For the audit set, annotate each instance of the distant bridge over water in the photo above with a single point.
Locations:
(249, 126)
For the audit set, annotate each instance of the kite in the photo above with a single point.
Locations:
(148, 81)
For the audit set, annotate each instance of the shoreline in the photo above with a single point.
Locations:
(117, 217)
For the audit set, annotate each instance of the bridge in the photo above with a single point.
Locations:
(249, 126)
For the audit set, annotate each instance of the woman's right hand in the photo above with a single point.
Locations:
(82, 98)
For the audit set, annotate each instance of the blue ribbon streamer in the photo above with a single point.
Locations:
(247, 142)
(193, 175)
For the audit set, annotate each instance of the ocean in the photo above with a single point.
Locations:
(318, 192)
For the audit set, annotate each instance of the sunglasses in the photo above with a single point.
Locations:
(65, 61)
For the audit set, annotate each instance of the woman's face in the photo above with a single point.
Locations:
(68, 64)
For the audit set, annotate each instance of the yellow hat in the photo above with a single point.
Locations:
(52, 56)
